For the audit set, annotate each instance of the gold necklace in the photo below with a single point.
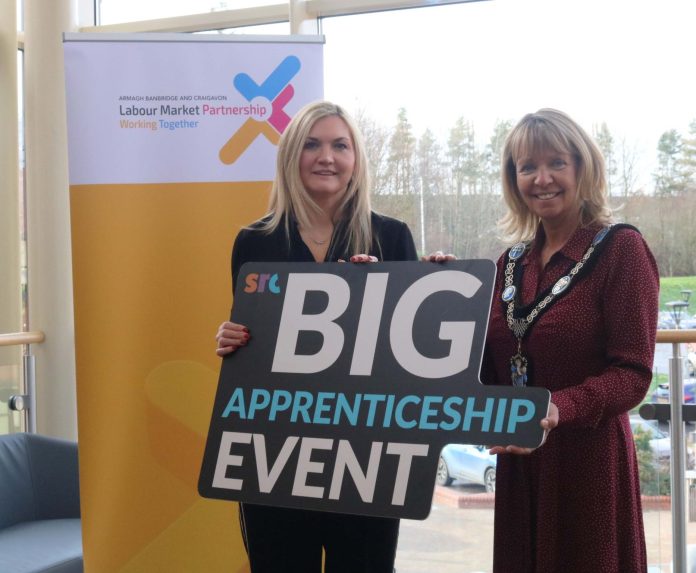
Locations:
(315, 241)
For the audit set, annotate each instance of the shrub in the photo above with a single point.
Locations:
(654, 478)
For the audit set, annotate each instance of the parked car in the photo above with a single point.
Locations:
(661, 394)
(691, 359)
(691, 364)
(468, 463)
(659, 441)
(665, 320)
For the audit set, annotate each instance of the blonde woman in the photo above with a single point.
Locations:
(319, 211)
(575, 307)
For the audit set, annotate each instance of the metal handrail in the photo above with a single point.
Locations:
(678, 465)
(19, 338)
(677, 434)
(25, 402)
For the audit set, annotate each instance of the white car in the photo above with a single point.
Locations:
(660, 442)
(691, 363)
(469, 463)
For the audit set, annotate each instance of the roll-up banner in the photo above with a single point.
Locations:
(172, 143)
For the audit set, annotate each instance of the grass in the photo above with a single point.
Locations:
(671, 287)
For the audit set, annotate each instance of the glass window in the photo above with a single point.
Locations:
(22, 193)
(120, 11)
(11, 356)
(436, 88)
(278, 28)
(448, 80)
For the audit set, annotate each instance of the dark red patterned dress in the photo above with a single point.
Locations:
(573, 506)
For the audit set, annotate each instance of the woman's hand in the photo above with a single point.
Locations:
(548, 423)
(231, 336)
(361, 259)
(438, 257)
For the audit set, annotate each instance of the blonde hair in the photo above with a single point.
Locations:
(550, 129)
(289, 199)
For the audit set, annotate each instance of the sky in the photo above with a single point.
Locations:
(629, 63)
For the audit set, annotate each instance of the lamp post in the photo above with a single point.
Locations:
(676, 309)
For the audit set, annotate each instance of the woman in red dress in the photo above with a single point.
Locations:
(575, 305)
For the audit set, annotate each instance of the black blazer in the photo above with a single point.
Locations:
(392, 241)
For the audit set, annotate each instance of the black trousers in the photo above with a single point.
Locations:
(280, 540)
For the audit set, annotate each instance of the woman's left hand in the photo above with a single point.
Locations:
(548, 423)
(438, 257)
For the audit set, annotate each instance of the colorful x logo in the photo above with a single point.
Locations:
(277, 90)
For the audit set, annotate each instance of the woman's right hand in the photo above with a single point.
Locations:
(231, 336)
(439, 257)
(548, 423)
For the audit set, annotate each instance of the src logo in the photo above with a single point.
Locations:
(269, 99)
(256, 282)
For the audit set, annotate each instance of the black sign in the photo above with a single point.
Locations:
(354, 379)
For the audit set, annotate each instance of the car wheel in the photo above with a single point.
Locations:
(443, 477)
(489, 480)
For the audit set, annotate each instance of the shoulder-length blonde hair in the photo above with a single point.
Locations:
(289, 199)
(550, 129)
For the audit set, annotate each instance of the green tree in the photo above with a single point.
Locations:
(376, 138)
(399, 198)
(402, 146)
(668, 180)
(430, 183)
(465, 166)
(653, 479)
(464, 158)
(687, 163)
(605, 142)
(492, 156)
(627, 168)
(429, 164)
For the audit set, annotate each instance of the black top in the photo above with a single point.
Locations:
(391, 241)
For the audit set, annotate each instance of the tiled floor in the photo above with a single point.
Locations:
(460, 539)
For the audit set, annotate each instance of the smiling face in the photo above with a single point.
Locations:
(547, 182)
(327, 160)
